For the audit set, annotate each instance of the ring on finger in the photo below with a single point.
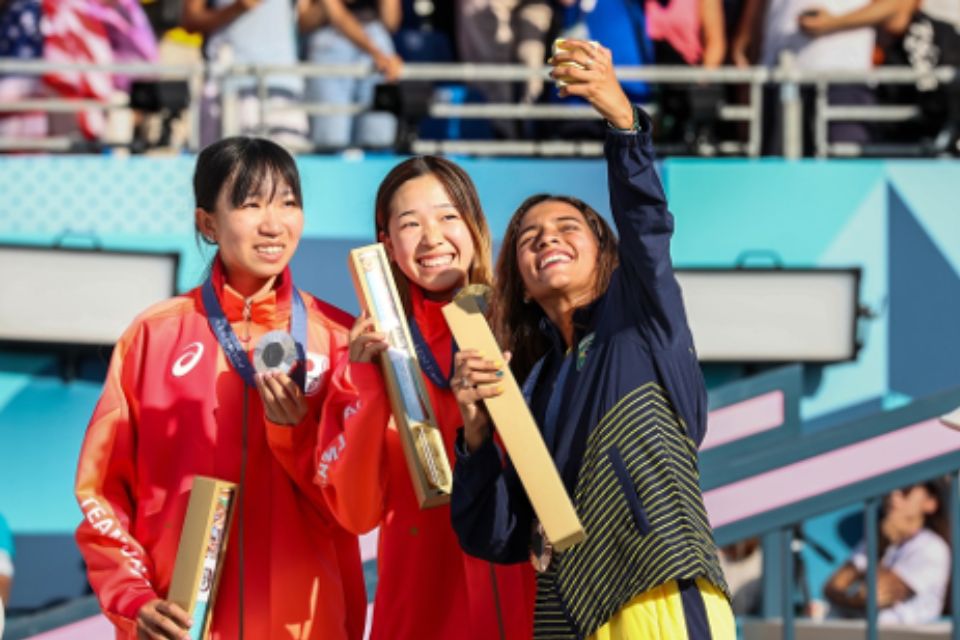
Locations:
(465, 384)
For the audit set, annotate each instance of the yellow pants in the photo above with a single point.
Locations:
(657, 614)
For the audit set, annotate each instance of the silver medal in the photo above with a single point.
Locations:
(275, 351)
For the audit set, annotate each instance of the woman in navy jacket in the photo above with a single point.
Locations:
(598, 330)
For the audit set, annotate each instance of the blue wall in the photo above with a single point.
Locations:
(896, 220)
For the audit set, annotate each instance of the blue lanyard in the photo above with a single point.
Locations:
(429, 364)
(231, 344)
(550, 419)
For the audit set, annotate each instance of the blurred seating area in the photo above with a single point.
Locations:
(786, 78)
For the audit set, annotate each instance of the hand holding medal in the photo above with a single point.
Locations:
(273, 359)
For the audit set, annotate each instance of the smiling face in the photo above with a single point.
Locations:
(557, 254)
(428, 237)
(257, 237)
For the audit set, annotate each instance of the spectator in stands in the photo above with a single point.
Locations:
(915, 560)
(250, 32)
(99, 32)
(687, 32)
(6, 563)
(504, 32)
(742, 564)
(20, 38)
(780, 34)
(923, 34)
(344, 32)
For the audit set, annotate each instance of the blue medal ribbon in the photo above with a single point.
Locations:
(429, 364)
(230, 343)
(551, 418)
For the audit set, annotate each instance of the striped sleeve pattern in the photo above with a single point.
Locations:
(639, 499)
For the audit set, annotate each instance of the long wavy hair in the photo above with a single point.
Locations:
(463, 196)
(516, 318)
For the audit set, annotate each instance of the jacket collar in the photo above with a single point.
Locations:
(584, 319)
(271, 308)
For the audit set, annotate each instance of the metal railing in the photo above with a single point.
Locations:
(750, 113)
(757, 455)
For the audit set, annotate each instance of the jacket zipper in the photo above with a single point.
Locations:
(247, 308)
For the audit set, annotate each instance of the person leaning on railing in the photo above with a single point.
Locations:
(914, 561)
(769, 29)
(338, 32)
(922, 34)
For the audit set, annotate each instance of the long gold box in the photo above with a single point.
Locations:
(519, 432)
(203, 544)
(412, 412)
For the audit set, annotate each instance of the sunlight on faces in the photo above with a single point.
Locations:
(257, 239)
(557, 253)
(428, 238)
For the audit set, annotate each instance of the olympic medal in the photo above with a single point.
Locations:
(275, 351)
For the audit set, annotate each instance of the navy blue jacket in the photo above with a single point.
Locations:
(626, 418)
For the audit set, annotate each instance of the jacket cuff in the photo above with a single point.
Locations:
(640, 133)
(478, 467)
(132, 607)
(362, 375)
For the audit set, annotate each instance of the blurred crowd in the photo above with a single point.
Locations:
(811, 35)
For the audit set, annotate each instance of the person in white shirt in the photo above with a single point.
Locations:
(769, 29)
(914, 568)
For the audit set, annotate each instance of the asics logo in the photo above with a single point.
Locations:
(188, 360)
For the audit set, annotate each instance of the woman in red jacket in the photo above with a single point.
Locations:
(181, 399)
(428, 215)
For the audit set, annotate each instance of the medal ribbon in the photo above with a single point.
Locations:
(230, 343)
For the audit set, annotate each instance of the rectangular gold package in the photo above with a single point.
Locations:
(519, 432)
(412, 413)
(203, 543)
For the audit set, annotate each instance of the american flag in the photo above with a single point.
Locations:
(99, 32)
(20, 38)
(73, 34)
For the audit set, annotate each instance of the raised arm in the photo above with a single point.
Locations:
(637, 198)
(645, 288)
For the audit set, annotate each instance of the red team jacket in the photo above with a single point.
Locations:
(428, 587)
(172, 408)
